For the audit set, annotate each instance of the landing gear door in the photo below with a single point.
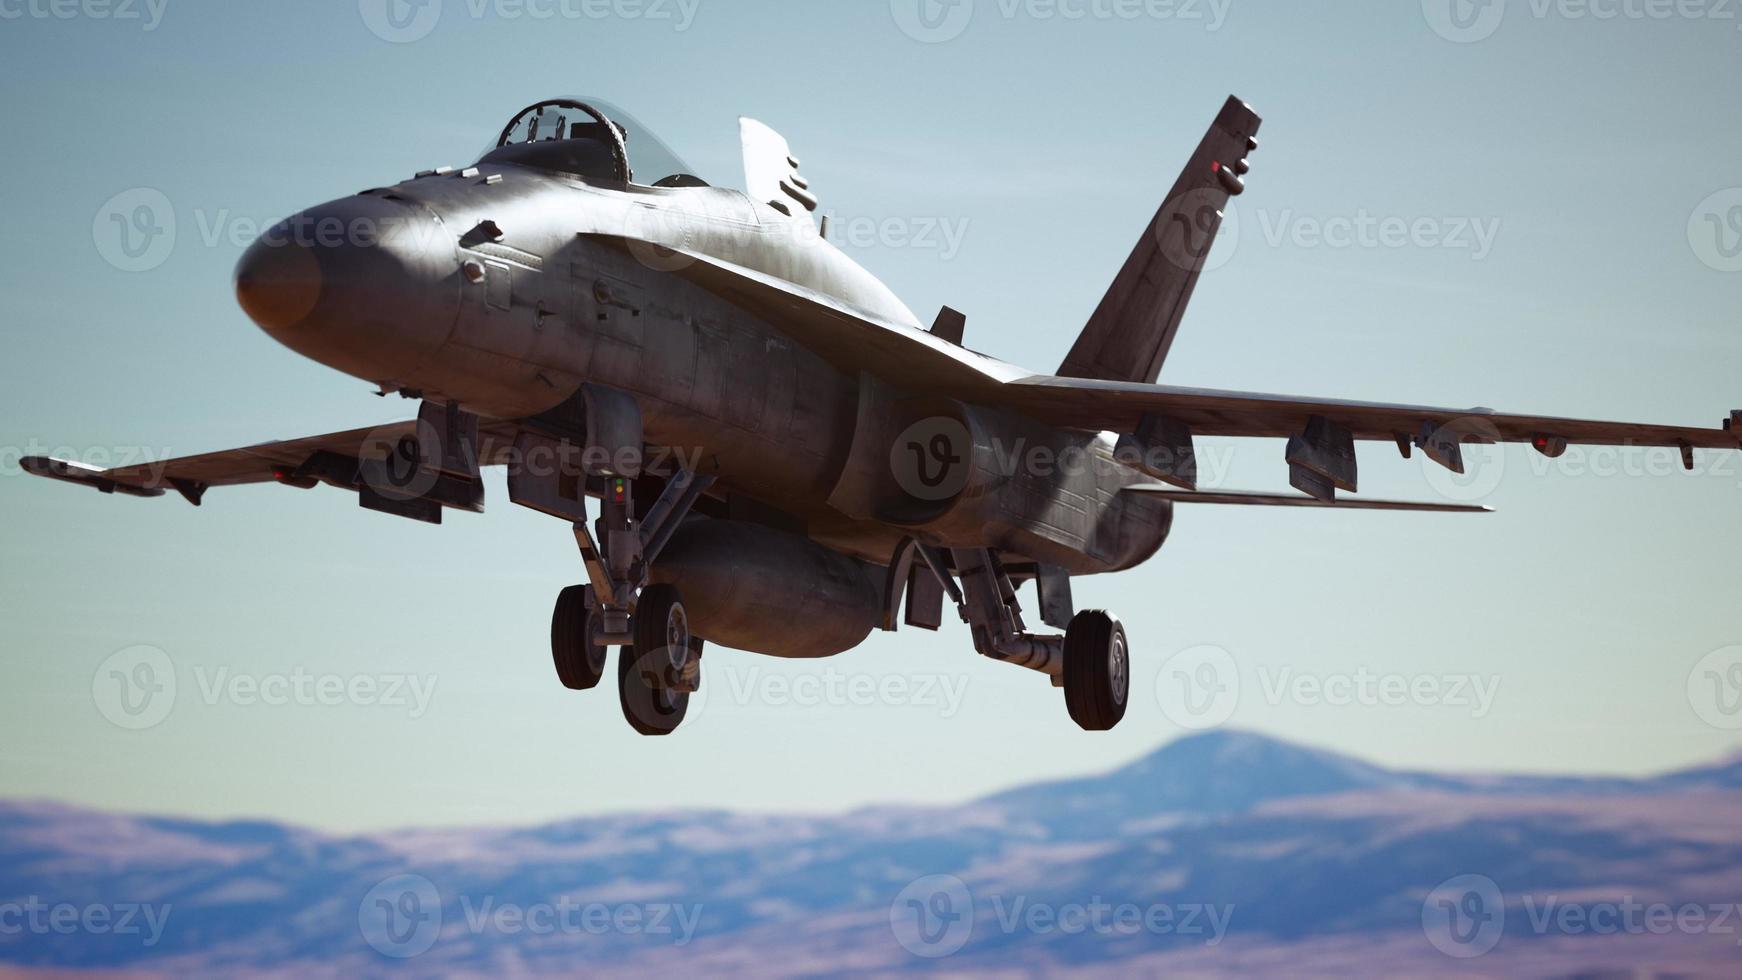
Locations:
(594, 436)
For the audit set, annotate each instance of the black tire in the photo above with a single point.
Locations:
(1097, 670)
(647, 670)
(580, 663)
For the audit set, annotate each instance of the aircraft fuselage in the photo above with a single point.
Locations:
(502, 289)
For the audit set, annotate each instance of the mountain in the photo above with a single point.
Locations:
(1220, 853)
(1204, 775)
(1726, 775)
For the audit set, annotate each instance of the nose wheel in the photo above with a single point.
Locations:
(580, 660)
(656, 676)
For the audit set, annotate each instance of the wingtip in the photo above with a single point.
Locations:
(57, 469)
(68, 471)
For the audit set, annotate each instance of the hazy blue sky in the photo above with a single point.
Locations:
(1555, 169)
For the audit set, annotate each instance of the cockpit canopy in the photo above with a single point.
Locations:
(593, 140)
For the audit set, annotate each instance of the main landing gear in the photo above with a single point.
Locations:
(1097, 675)
(1091, 661)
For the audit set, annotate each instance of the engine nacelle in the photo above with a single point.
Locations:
(968, 476)
(753, 588)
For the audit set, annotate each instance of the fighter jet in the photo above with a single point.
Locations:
(754, 442)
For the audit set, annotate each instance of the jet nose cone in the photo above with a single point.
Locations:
(368, 284)
(278, 283)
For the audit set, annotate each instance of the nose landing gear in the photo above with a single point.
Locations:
(659, 663)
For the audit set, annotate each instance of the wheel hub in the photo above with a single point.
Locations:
(677, 637)
(1119, 668)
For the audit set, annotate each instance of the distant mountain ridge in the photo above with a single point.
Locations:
(1227, 772)
(1310, 851)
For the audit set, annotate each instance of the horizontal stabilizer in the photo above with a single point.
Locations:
(1248, 499)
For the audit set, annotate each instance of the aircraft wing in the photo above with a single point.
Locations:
(232, 467)
(296, 462)
(1113, 406)
(918, 361)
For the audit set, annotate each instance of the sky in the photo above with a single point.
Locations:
(1526, 205)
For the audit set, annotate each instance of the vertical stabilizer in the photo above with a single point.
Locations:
(1128, 337)
(771, 171)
